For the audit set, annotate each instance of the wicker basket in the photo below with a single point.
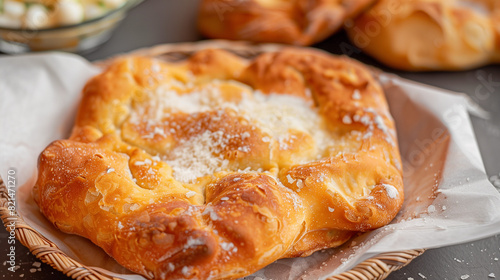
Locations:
(372, 269)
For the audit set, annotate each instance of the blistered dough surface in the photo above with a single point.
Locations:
(216, 166)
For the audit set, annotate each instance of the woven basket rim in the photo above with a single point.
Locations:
(376, 268)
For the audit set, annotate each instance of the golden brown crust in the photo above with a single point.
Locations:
(217, 166)
(297, 22)
(421, 35)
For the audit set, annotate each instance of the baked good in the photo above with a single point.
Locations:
(297, 22)
(216, 166)
(430, 34)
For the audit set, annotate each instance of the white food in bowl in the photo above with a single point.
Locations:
(14, 8)
(93, 11)
(36, 17)
(68, 12)
(47, 14)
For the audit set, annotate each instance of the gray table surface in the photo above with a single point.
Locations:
(168, 21)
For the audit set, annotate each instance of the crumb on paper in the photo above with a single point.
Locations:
(37, 264)
(32, 270)
(421, 275)
(495, 180)
(465, 276)
(491, 275)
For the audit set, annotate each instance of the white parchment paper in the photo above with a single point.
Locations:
(449, 199)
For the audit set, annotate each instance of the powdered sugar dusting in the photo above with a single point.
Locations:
(346, 119)
(392, 192)
(228, 246)
(198, 157)
(190, 194)
(211, 213)
(194, 242)
(356, 95)
(278, 116)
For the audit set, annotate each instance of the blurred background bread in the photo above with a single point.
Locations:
(296, 22)
(430, 34)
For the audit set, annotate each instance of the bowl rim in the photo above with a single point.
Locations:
(129, 4)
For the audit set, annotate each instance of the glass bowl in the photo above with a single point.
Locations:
(77, 38)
